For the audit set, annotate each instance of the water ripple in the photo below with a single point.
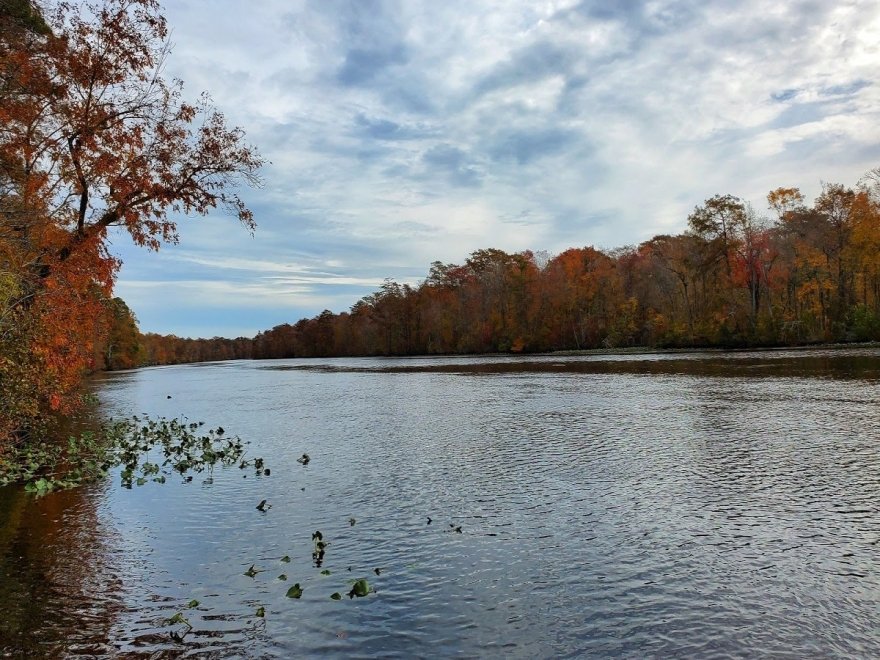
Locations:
(652, 506)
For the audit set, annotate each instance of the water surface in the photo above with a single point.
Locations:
(703, 505)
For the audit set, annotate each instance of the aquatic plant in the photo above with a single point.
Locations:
(147, 450)
(360, 588)
(320, 548)
(44, 466)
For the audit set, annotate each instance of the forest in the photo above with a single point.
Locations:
(805, 273)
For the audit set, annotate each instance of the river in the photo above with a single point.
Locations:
(667, 505)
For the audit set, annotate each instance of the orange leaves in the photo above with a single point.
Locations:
(93, 136)
(784, 201)
(108, 140)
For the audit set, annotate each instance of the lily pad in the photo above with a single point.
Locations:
(295, 591)
(360, 589)
(336, 596)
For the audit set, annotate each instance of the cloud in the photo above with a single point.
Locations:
(385, 129)
(362, 66)
(525, 146)
(404, 132)
(453, 163)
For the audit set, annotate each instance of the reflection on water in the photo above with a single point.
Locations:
(59, 584)
(686, 504)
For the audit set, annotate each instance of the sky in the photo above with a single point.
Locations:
(405, 132)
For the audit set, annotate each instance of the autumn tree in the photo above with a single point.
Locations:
(93, 136)
(582, 294)
(122, 347)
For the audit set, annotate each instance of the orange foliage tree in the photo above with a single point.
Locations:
(92, 136)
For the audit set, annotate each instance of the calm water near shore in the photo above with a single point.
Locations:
(671, 505)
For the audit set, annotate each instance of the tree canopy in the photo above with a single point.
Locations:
(92, 136)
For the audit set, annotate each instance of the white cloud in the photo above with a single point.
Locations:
(416, 131)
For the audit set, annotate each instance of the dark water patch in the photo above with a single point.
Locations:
(861, 364)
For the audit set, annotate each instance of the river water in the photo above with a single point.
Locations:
(673, 505)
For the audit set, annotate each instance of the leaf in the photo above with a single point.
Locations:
(325, 572)
(295, 591)
(192, 603)
(261, 611)
(285, 559)
(336, 596)
(252, 571)
(360, 589)
(283, 576)
(178, 618)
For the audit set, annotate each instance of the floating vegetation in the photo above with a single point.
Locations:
(148, 450)
(151, 451)
(178, 619)
(360, 588)
(320, 548)
(46, 466)
(182, 448)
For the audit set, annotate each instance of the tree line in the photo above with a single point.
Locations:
(803, 273)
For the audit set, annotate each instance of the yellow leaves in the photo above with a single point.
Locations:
(10, 289)
(784, 201)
